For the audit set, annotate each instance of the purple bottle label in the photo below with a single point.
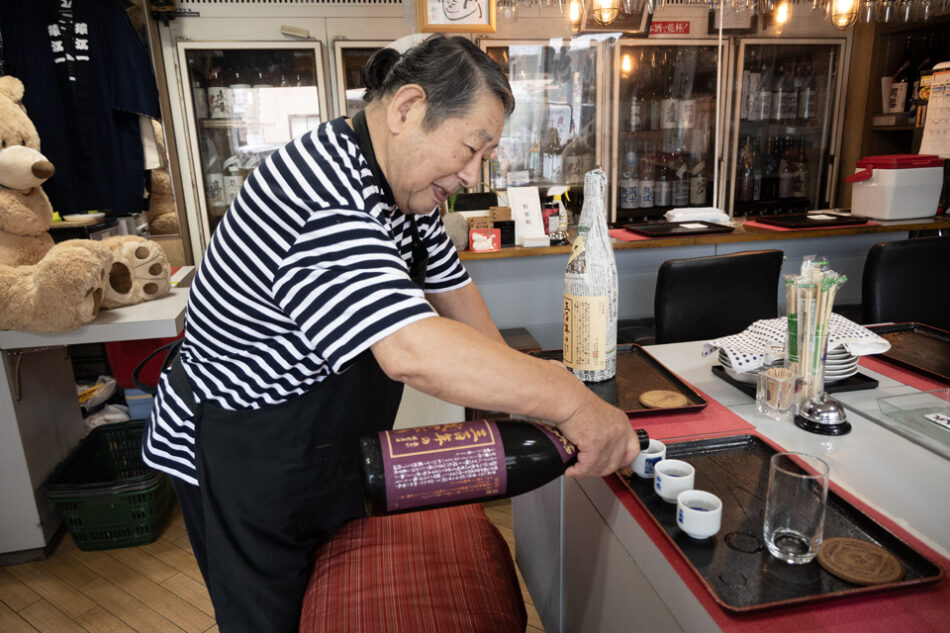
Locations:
(442, 464)
(565, 448)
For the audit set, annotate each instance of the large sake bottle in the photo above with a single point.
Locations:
(590, 290)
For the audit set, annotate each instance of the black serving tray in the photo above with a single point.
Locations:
(809, 221)
(735, 565)
(857, 382)
(918, 347)
(637, 372)
(675, 229)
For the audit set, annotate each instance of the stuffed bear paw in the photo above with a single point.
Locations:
(140, 271)
(67, 287)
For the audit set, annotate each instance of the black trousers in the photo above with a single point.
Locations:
(274, 484)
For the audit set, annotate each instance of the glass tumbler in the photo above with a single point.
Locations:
(795, 507)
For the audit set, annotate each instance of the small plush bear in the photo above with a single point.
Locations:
(47, 287)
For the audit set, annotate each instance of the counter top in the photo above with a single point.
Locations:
(741, 234)
(160, 318)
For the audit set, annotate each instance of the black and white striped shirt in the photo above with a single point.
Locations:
(308, 269)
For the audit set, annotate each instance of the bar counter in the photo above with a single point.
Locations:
(741, 234)
(593, 560)
(523, 287)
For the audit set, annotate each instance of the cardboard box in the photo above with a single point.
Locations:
(479, 223)
(500, 214)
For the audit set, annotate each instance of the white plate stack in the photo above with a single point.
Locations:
(839, 364)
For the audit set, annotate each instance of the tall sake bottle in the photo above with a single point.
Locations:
(590, 290)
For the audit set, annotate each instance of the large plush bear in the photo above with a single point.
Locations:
(47, 287)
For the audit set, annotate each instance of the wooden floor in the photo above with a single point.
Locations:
(155, 588)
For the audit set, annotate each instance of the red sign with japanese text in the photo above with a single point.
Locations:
(669, 27)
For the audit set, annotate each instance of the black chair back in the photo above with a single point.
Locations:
(707, 297)
(908, 280)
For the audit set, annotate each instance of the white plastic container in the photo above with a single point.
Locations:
(896, 186)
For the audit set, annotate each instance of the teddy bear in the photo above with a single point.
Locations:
(47, 287)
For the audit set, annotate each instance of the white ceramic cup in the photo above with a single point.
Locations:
(673, 476)
(698, 513)
(647, 458)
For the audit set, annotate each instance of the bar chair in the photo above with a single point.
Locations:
(707, 297)
(908, 280)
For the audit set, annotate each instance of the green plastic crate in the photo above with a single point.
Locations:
(107, 496)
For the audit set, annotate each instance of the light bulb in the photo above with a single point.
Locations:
(574, 12)
(782, 13)
(844, 13)
(605, 11)
(626, 64)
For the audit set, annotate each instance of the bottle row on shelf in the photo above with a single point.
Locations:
(785, 91)
(782, 171)
(652, 178)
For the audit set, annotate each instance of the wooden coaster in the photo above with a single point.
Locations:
(662, 399)
(859, 562)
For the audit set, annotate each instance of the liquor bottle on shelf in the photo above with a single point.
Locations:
(477, 461)
(233, 178)
(219, 96)
(763, 102)
(647, 173)
(651, 103)
(808, 96)
(636, 105)
(697, 184)
(756, 170)
(791, 100)
(786, 176)
(744, 87)
(629, 179)
(800, 178)
(745, 176)
(214, 176)
(780, 89)
(590, 290)
(199, 96)
(669, 106)
(680, 176)
(576, 160)
(751, 94)
(663, 186)
(770, 170)
(901, 83)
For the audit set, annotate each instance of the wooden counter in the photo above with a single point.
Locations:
(741, 234)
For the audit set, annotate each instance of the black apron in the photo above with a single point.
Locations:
(276, 482)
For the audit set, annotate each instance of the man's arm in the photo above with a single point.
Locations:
(467, 306)
(456, 363)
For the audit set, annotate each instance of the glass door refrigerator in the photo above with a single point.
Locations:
(556, 132)
(785, 126)
(349, 57)
(669, 107)
(244, 100)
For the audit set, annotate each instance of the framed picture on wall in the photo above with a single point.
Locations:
(456, 16)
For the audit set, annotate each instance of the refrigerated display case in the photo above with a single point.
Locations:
(555, 134)
(666, 120)
(244, 100)
(349, 57)
(786, 113)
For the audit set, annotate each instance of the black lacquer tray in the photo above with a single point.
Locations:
(918, 347)
(857, 382)
(637, 372)
(735, 565)
(676, 229)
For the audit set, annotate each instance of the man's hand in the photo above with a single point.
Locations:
(603, 436)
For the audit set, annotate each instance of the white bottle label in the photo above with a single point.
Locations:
(645, 193)
(687, 114)
(585, 332)
(697, 190)
(628, 194)
(669, 114)
(219, 102)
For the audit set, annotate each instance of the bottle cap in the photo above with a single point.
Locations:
(644, 439)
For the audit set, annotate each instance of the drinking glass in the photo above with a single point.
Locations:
(795, 506)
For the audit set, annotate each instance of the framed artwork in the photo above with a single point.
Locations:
(456, 16)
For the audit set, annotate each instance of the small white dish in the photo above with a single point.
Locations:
(83, 217)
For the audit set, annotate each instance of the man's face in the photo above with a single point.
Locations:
(427, 166)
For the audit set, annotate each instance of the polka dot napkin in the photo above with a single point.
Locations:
(763, 342)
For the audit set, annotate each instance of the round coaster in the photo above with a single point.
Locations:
(859, 562)
(662, 399)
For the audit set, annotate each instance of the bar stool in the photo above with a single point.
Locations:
(908, 280)
(706, 297)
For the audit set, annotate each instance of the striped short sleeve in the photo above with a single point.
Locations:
(444, 272)
(346, 286)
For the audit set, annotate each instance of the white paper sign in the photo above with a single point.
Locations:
(936, 139)
(693, 225)
(526, 212)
